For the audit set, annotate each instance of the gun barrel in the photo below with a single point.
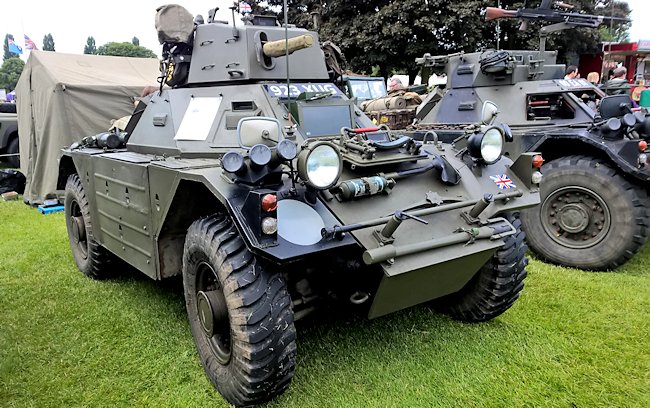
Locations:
(493, 13)
(277, 48)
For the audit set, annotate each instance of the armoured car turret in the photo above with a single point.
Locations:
(595, 192)
(273, 197)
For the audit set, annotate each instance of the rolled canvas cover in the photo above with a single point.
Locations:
(174, 24)
(62, 98)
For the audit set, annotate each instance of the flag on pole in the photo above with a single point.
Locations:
(244, 7)
(29, 44)
(13, 47)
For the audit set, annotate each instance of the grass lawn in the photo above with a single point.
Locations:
(574, 339)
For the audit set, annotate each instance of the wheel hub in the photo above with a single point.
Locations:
(575, 217)
(212, 313)
(78, 229)
(211, 309)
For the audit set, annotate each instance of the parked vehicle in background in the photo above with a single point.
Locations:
(9, 134)
(594, 212)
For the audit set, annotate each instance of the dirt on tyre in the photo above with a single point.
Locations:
(590, 216)
(12, 148)
(239, 313)
(496, 286)
(92, 259)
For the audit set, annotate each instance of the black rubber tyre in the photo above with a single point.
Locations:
(495, 287)
(12, 148)
(239, 313)
(92, 259)
(590, 217)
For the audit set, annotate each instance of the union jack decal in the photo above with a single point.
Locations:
(502, 181)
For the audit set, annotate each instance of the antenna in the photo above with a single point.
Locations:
(611, 34)
(286, 49)
(498, 30)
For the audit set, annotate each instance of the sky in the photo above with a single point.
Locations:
(71, 22)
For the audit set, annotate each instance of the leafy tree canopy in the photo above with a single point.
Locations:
(48, 43)
(10, 72)
(391, 34)
(125, 49)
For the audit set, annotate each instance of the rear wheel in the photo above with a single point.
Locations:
(92, 259)
(239, 313)
(12, 148)
(590, 217)
(495, 287)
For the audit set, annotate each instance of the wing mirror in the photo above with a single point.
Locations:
(256, 130)
(489, 112)
(614, 106)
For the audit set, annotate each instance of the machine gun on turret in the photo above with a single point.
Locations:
(553, 13)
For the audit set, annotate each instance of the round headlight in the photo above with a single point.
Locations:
(287, 150)
(491, 146)
(232, 162)
(260, 154)
(320, 166)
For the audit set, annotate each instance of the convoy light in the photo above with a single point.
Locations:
(643, 159)
(319, 165)
(487, 146)
(536, 177)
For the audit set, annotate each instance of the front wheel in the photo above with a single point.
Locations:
(239, 313)
(590, 217)
(92, 259)
(495, 287)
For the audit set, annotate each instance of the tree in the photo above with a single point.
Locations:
(7, 54)
(48, 43)
(618, 32)
(10, 72)
(135, 41)
(125, 49)
(391, 34)
(90, 47)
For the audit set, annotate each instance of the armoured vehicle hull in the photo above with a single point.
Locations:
(273, 199)
(595, 194)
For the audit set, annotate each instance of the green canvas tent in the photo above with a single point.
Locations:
(62, 98)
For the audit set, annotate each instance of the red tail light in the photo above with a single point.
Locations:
(538, 160)
(269, 203)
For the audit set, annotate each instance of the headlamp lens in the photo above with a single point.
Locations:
(491, 146)
(323, 166)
